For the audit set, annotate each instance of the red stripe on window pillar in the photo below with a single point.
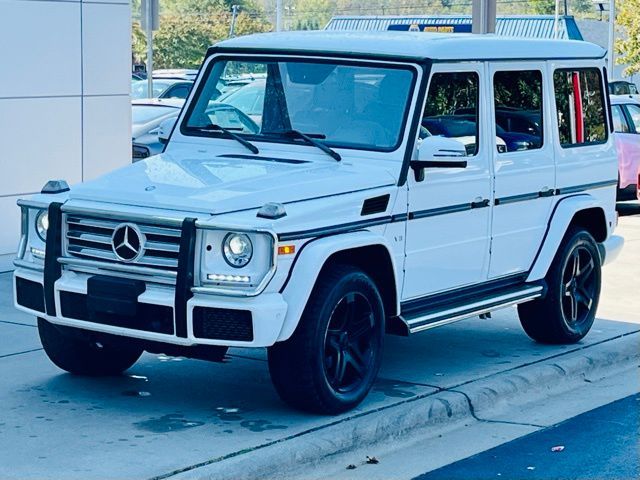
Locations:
(577, 103)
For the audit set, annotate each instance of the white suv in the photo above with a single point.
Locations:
(336, 215)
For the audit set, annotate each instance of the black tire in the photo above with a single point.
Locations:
(332, 359)
(77, 352)
(566, 313)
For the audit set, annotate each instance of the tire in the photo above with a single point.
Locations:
(76, 352)
(566, 313)
(332, 359)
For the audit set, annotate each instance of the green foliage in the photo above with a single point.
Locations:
(189, 27)
(522, 90)
(182, 41)
(542, 7)
(449, 92)
(629, 47)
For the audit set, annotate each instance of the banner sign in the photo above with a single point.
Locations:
(431, 27)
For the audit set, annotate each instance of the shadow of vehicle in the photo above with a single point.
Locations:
(628, 208)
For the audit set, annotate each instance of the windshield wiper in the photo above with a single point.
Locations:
(229, 133)
(308, 138)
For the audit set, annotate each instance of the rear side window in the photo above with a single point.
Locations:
(451, 109)
(581, 107)
(518, 109)
(620, 124)
(634, 113)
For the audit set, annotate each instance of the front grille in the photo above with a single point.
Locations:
(222, 324)
(90, 238)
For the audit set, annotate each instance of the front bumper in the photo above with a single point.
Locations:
(226, 321)
(611, 248)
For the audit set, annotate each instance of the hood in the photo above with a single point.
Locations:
(227, 183)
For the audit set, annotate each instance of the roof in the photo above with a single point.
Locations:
(159, 102)
(620, 99)
(412, 45)
(530, 26)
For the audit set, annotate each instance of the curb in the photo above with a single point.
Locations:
(436, 411)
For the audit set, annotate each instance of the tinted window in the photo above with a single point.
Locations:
(179, 91)
(580, 105)
(140, 89)
(619, 121)
(634, 113)
(451, 108)
(518, 107)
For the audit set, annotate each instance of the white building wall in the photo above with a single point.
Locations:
(64, 98)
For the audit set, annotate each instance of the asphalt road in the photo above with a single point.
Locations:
(602, 443)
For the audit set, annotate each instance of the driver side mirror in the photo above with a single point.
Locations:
(164, 131)
(438, 152)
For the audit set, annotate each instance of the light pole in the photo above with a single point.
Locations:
(610, 5)
(234, 15)
(278, 15)
(612, 35)
(483, 18)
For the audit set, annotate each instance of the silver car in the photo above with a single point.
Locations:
(147, 115)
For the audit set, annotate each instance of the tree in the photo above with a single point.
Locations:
(189, 27)
(629, 47)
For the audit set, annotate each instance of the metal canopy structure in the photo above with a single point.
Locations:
(531, 26)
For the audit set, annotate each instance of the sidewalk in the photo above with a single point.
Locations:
(173, 417)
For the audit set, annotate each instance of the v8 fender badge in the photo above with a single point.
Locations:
(150, 188)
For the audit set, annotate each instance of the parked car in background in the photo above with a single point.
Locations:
(175, 73)
(230, 83)
(146, 116)
(162, 88)
(626, 124)
(622, 87)
(462, 128)
(249, 98)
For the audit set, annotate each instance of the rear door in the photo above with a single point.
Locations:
(525, 172)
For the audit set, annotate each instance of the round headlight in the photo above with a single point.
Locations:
(42, 224)
(237, 249)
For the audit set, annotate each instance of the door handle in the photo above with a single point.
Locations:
(546, 192)
(480, 202)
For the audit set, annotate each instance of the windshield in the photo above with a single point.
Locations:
(140, 88)
(340, 104)
(146, 113)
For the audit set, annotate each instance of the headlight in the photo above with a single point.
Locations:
(42, 224)
(237, 249)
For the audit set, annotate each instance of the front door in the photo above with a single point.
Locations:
(525, 169)
(447, 237)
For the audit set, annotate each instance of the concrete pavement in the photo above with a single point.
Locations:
(173, 417)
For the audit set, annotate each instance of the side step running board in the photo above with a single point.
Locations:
(430, 318)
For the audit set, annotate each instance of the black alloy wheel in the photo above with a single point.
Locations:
(330, 362)
(567, 311)
(349, 343)
(578, 286)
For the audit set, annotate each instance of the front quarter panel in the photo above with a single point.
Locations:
(307, 267)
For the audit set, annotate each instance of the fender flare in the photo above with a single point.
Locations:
(307, 267)
(561, 217)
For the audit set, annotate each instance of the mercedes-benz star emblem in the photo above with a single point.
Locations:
(127, 242)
